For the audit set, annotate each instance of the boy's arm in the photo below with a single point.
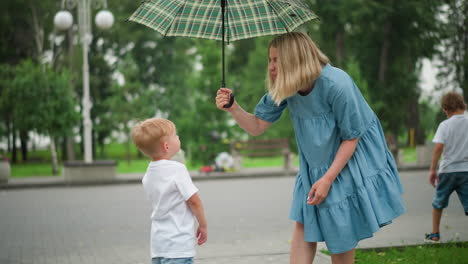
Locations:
(196, 206)
(438, 149)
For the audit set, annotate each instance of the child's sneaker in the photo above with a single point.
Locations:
(432, 238)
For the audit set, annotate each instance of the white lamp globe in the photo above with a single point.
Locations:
(104, 19)
(63, 20)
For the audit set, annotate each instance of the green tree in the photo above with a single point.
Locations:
(388, 39)
(43, 102)
(6, 125)
(166, 65)
(130, 101)
(24, 25)
(453, 51)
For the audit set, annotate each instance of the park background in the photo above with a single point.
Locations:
(403, 55)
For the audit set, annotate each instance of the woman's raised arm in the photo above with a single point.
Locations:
(247, 121)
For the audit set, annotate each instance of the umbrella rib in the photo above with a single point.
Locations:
(172, 22)
(277, 14)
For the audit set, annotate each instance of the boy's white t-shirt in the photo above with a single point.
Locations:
(453, 133)
(168, 186)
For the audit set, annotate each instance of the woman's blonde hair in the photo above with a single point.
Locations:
(299, 64)
(147, 135)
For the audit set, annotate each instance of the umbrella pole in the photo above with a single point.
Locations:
(223, 82)
(223, 9)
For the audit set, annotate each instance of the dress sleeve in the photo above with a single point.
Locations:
(184, 183)
(352, 113)
(268, 110)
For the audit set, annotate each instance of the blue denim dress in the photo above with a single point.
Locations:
(366, 195)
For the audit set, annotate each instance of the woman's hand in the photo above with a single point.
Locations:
(222, 98)
(319, 191)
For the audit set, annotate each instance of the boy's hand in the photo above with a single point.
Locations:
(433, 178)
(202, 235)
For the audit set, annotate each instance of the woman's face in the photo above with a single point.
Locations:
(272, 60)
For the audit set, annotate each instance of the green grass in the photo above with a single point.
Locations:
(445, 253)
(23, 170)
(32, 169)
(409, 155)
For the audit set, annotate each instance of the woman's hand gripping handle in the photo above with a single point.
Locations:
(224, 99)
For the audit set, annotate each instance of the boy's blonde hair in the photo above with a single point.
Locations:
(452, 102)
(148, 134)
(299, 64)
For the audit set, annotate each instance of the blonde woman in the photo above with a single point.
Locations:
(348, 186)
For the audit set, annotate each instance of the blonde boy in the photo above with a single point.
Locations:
(174, 198)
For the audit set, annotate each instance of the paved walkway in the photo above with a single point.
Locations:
(31, 229)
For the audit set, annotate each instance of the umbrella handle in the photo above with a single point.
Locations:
(231, 101)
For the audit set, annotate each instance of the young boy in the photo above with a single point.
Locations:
(174, 198)
(451, 138)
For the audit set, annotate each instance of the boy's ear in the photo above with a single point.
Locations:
(165, 146)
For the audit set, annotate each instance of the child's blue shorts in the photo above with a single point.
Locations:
(449, 182)
(172, 261)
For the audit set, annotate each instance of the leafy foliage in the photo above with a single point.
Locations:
(43, 100)
(137, 73)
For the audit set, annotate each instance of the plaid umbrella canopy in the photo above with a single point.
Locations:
(221, 19)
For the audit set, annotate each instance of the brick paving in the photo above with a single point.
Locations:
(110, 224)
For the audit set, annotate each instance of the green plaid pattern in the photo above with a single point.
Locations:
(202, 18)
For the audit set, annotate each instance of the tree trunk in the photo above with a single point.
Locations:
(339, 50)
(464, 44)
(53, 152)
(14, 154)
(38, 32)
(69, 141)
(464, 82)
(128, 146)
(392, 145)
(24, 145)
(82, 139)
(69, 146)
(8, 132)
(93, 140)
(414, 122)
(383, 64)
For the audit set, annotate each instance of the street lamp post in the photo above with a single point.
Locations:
(104, 20)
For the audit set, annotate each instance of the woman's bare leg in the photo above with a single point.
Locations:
(343, 258)
(302, 252)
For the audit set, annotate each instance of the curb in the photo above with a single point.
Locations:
(133, 178)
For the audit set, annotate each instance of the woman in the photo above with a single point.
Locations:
(348, 185)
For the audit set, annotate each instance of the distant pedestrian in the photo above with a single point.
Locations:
(348, 186)
(451, 139)
(173, 196)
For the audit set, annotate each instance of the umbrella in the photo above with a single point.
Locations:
(221, 19)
